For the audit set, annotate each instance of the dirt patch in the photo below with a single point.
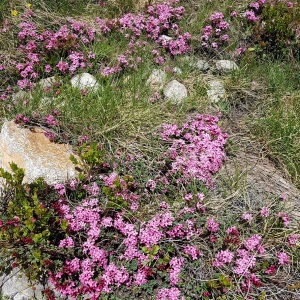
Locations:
(253, 180)
(248, 178)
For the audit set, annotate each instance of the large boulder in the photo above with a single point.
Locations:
(16, 286)
(33, 151)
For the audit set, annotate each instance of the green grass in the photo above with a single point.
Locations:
(276, 123)
(121, 116)
(122, 106)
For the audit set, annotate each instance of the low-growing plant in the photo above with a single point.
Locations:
(137, 222)
(91, 237)
(277, 29)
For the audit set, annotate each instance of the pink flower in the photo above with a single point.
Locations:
(271, 271)
(188, 197)
(240, 50)
(293, 239)
(212, 238)
(140, 277)
(216, 17)
(67, 243)
(250, 15)
(168, 294)
(254, 5)
(50, 119)
(60, 188)
(225, 37)
(283, 197)
(285, 218)
(248, 217)
(222, 258)
(62, 66)
(151, 184)
(193, 251)
(232, 230)
(175, 264)
(265, 212)
(234, 14)
(212, 225)
(283, 258)
(253, 242)
(244, 263)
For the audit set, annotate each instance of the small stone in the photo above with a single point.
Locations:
(47, 83)
(157, 79)
(199, 64)
(20, 96)
(177, 70)
(166, 38)
(226, 65)
(216, 91)
(175, 91)
(85, 81)
(46, 101)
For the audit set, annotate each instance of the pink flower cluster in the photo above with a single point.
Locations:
(175, 264)
(92, 271)
(49, 51)
(212, 225)
(193, 252)
(158, 20)
(244, 259)
(168, 294)
(197, 149)
(121, 189)
(222, 258)
(283, 258)
(215, 34)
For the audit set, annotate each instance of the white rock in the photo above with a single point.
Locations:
(85, 81)
(175, 91)
(177, 70)
(216, 91)
(157, 79)
(46, 101)
(16, 286)
(46, 83)
(166, 38)
(199, 64)
(33, 151)
(21, 95)
(226, 65)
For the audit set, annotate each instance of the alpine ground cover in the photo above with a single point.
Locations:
(138, 222)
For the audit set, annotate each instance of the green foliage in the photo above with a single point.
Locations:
(276, 30)
(220, 284)
(63, 7)
(28, 225)
(3, 9)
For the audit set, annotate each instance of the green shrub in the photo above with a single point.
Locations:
(276, 31)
